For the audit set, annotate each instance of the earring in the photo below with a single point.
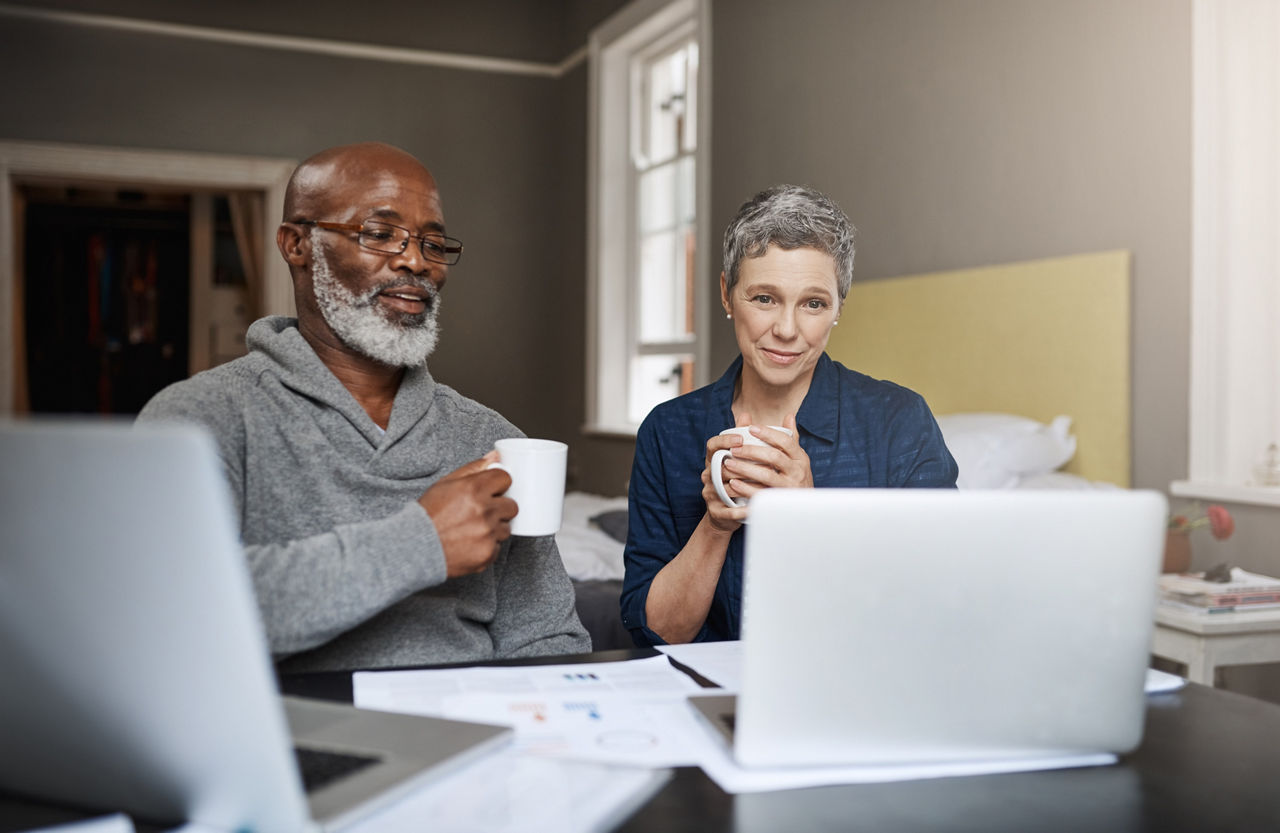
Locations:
(837, 321)
(728, 315)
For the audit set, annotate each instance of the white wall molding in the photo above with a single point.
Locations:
(27, 161)
(292, 43)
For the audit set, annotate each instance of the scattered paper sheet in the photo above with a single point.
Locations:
(508, 792)
(114, 823)
(735, 779)
(632, 713)
(719, 662)
(1159, 682)
(636, 713)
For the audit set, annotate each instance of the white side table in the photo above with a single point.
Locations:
(1205, 641)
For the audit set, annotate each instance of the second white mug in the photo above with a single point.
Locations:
(717, 461)
(537, 469)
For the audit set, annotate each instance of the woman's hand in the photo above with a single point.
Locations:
(780, 464)
(722, 518)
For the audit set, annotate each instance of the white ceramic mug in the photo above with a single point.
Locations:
(537, 482)
(717, 461)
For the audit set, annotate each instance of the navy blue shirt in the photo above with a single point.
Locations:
(856, 430)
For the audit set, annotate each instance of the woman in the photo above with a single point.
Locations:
(788, 264)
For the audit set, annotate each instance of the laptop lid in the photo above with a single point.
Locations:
(911, 625)
(137, 676)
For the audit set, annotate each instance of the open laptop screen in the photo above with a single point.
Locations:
(910, 625)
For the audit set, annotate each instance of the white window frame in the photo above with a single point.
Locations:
(612, 337)
(1235, 271)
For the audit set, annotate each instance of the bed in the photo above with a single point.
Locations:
(1026, 365)
(590, 540)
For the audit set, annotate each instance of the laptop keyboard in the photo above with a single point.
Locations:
(320, 768)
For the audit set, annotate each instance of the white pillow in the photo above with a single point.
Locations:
(995, 451)
(1061, 480)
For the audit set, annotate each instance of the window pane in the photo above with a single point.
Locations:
(665, 104)
(685, 186)
(658, 208)
(666, 196)
(665, 290)
(690, 138)
(655, 379)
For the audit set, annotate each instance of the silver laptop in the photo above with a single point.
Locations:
(136, 673)
(912, 626)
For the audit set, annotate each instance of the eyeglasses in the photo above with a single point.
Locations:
(384, 237)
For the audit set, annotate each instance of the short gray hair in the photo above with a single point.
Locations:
(790, 217)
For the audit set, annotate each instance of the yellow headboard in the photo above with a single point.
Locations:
(1038, 339)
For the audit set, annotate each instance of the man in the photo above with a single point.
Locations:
(374, 531)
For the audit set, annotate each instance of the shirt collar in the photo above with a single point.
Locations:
(819, 412)
(720, 415)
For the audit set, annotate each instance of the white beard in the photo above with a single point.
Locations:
(356, 320)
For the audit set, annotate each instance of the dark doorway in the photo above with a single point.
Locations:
(106, 291)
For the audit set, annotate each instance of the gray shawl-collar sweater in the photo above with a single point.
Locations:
(347, 566)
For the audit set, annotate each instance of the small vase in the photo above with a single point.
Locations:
(1177, 552)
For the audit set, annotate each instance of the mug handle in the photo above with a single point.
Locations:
(497, 465)
(717, 465)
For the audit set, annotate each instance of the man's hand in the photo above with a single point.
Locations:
(470, 514)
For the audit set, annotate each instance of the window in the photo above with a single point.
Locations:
(1235, 271)
(648, 258)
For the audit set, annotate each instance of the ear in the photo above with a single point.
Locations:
(294, 245)
(724, 295)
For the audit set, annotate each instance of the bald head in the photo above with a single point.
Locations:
(334, 173)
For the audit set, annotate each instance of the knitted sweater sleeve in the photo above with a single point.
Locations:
(537, 616)
(312, 589)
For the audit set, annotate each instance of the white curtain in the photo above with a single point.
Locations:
(246, 223)
(1235, 286)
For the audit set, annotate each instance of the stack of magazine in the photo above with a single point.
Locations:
(1245, 591)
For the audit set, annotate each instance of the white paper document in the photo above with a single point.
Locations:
(1159, 682)
(115, 823)
(732, 778)
(719, 662)
(632, 713)
(508, 792)
(636, 714)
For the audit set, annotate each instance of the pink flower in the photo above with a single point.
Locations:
(1221, 524)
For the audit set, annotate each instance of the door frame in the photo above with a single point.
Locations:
(134, 168)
